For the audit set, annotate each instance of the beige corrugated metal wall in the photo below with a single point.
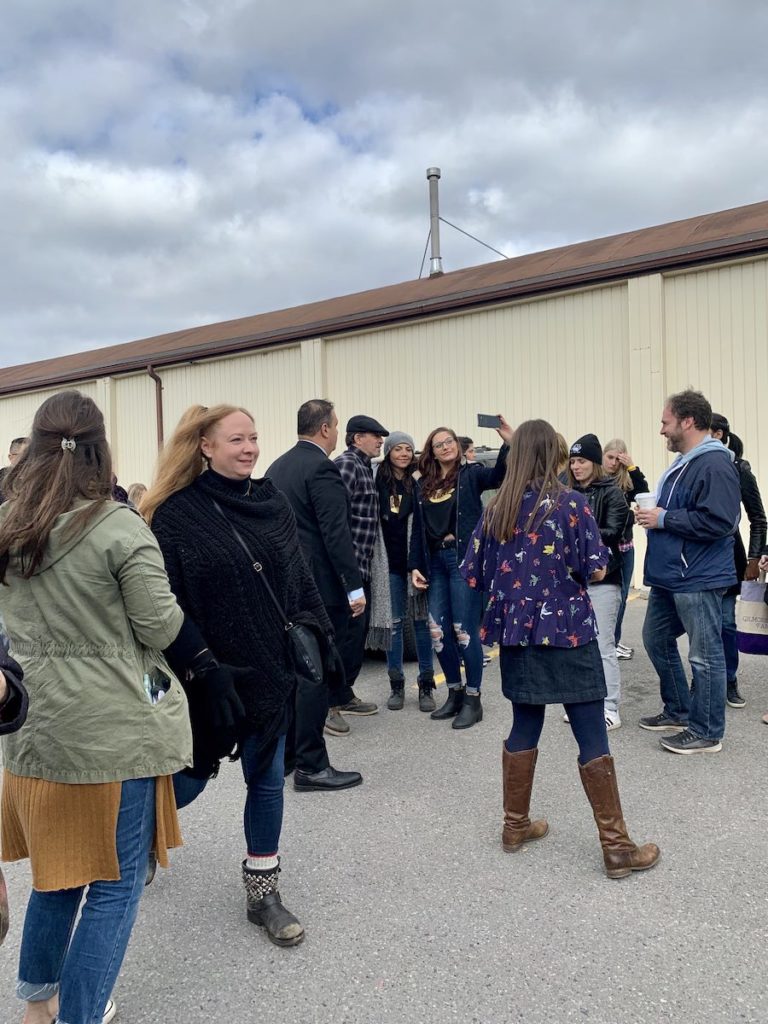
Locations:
(600, 359)
(553, 358)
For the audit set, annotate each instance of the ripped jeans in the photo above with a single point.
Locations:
(454, 621)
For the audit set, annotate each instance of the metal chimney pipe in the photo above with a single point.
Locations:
(436, 260)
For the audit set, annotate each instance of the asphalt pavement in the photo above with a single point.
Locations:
(415, 914)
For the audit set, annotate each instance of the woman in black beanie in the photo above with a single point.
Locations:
(610, 510)
(205, 510)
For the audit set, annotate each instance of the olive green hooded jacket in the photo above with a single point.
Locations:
(88, 628)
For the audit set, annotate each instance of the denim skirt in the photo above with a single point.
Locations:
(552, 675)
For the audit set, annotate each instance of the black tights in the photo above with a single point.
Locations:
(587, 724)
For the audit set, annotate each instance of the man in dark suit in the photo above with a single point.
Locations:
(314, 487)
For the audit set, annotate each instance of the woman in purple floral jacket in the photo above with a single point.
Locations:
(533, 553)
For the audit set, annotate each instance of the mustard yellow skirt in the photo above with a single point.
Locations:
(69, 832)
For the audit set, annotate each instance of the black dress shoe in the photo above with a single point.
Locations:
(328, 778)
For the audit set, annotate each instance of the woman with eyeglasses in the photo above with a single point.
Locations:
(447, 507)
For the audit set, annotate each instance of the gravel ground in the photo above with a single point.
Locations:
(414, 913)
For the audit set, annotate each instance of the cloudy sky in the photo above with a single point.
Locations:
(168, 163)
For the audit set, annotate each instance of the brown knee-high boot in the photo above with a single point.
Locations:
(620, 854)
(517, 772)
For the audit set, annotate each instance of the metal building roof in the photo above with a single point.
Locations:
(717, 236)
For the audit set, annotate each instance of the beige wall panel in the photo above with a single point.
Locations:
(134, 428)
(266, 383)
(564, 358)
(717, 341)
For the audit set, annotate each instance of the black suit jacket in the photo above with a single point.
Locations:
(313, 486)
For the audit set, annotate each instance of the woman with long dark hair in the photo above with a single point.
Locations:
(448, 505)
(87, 789)
(226, 539)
(533, 553)
(396, 486)
(610, 510)
(629, 478)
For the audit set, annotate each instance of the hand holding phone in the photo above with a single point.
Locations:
(488, 420)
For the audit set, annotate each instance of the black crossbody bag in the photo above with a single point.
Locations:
(302, 642)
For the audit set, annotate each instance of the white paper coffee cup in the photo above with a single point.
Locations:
(646, 500)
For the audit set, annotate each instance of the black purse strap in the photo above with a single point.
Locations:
(257, 567)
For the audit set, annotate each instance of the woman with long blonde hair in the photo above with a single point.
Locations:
(228, 540)
(619, 464)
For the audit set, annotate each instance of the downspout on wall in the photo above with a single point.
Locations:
(158, 406)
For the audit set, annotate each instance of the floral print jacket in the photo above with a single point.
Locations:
(535, 583)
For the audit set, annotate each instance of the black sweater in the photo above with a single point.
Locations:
(215, 584)
(639, 486)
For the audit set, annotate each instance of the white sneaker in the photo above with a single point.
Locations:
(612, 721)
(623, 652)
(109, 1012)
(566, 718)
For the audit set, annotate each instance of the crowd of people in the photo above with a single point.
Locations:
(155, 632)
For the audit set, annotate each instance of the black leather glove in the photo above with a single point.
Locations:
(212, 687)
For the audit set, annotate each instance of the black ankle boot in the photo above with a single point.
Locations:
(471, 712)
(452, 705)
(265, 908)
(151, 868)
(426, 697)
(397, 697)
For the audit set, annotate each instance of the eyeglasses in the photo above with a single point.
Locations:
(439, 445)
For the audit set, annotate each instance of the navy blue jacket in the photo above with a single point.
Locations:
(693, 550)
(473, 479)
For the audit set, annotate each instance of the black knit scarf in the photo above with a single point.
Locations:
(217, 587)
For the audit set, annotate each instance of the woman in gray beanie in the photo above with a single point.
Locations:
(394, 481)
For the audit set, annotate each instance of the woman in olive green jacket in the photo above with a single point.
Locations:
(86, 789)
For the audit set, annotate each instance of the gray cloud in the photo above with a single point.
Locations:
(167, 165)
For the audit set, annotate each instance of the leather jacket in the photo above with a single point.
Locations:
(610, 509)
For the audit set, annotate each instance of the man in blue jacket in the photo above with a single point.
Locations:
(689, 565)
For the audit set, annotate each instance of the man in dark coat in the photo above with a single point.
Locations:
(313, 486)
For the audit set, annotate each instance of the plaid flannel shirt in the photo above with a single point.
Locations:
(356, 472)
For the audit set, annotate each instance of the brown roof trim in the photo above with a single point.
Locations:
(699, 240)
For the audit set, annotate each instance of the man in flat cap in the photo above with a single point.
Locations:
(364, 438)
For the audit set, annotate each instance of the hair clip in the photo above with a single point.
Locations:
(68, 444)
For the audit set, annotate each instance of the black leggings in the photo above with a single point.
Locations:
(587, 725)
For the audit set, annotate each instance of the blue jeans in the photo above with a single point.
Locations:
(700, 615)
(454, 621)
(627, 568)
(82, 963)
(398, 589)
(730, 643)
(263, 814)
